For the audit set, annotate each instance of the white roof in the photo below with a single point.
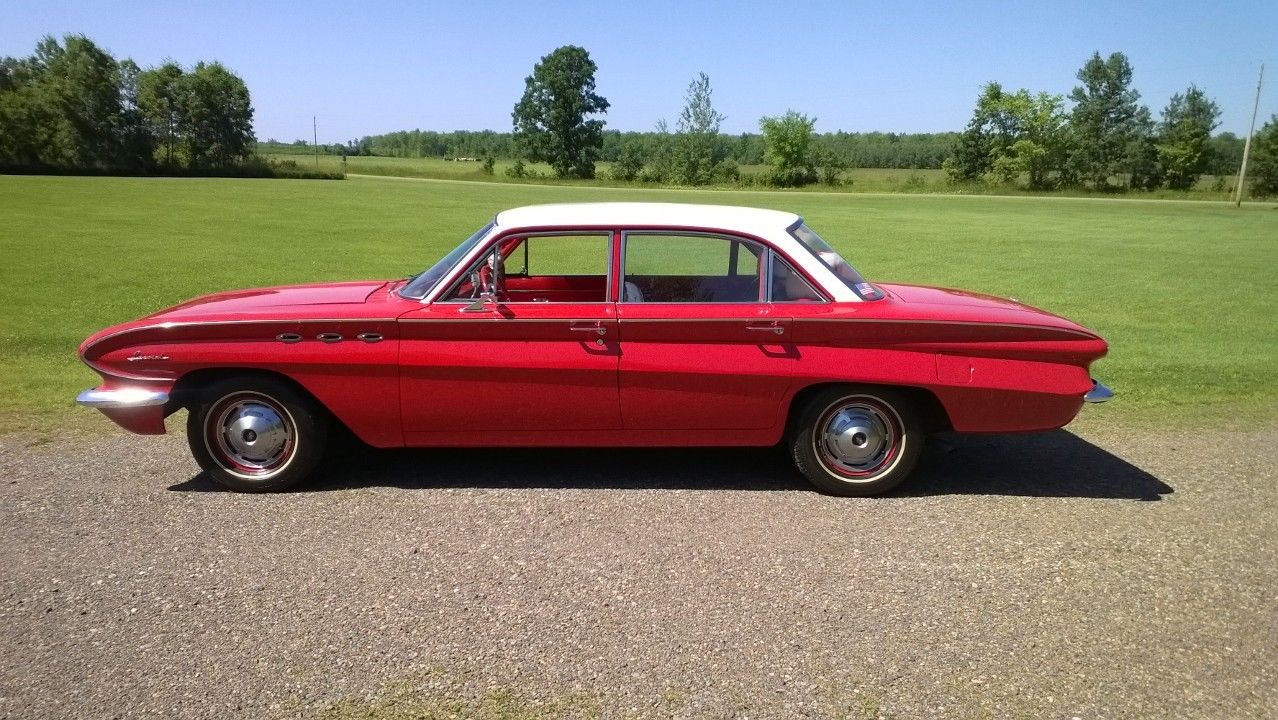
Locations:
(770, 225)
(614, 214)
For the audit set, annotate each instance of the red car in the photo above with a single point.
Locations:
(609, 324)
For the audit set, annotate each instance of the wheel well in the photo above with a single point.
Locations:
(187, 391)
(930, 409)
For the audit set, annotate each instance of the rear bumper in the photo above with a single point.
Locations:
(1098, 394)
(125, 397)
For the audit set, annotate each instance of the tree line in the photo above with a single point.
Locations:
(72, 107)
(1105, 139)
(862, 150)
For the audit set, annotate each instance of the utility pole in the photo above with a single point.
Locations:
(1242, 172)
(315, 141)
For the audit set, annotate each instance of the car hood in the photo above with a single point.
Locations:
(271, 299)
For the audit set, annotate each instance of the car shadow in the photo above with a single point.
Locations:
(1054, 464)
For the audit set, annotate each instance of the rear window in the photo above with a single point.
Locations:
(841, 268)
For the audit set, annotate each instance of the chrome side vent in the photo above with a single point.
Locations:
(370, 337)
(329, 337)
(289, 337)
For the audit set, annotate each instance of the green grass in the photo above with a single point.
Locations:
(1185, 292)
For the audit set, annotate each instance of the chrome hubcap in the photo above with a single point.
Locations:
(857, 439)
(253, 433)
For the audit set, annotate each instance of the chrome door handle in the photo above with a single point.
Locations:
(778, 329)
(596, 329)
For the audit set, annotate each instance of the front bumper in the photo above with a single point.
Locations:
(118, 398)
(135, 408)
(1098, 394)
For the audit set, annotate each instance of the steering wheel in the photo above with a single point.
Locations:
(490, 277)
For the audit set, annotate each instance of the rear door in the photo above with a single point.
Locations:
(701, 347)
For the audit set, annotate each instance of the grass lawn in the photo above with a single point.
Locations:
(1185, 292)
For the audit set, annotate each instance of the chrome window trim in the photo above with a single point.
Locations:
(765, 280)
(822, 297)
(487, 244)
(486, 231)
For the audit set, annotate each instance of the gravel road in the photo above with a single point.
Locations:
(1112, 573)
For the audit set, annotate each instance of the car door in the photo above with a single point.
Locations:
(526, 366)
(701, 348)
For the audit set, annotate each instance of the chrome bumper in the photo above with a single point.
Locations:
(121, 398)
(1098, 394)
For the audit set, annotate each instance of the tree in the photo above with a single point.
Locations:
(550, 119)
(832, 165)
(629, 163)
(80, 83)
(787, 142)
(135, 142)
(160, 105)
(215, 116)
(1183, 137)
(25, 117)
(697, 156)
(1264, 160)
(1108, 127)
(1010, 134)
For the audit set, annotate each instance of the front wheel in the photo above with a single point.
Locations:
(857, 441)
(256, 434)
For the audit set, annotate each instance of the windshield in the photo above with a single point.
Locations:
(831, 259)
(421, 283)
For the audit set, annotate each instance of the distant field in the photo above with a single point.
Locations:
(854, 180)
(1185, 292)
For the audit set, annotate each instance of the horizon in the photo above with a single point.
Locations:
(917, 69)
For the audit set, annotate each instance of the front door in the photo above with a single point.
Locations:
(525, 367)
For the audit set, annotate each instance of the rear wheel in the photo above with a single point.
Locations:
(857, 441)
(256, 434)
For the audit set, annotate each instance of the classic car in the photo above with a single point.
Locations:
(600, 324)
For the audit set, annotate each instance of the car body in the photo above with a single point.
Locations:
(599, 324)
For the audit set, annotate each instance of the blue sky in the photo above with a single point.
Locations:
(369, 67)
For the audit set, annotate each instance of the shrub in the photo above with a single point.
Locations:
(518, 170)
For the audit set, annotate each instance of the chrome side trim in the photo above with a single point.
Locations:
(128, 397)
(1098, 394)
(172, 325)
(964, 323)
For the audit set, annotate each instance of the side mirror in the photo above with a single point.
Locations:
(484, 303)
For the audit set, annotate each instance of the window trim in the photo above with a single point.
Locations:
(821, 297)
(764, 289)
(497, 241)
(764, 278)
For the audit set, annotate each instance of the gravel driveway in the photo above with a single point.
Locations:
(1106, 574)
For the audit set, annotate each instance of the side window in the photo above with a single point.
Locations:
(558, 255)
(540, 268)
(674, 268)
(790, 286)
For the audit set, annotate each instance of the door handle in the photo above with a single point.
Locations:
(773, 328)
(596, 329)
